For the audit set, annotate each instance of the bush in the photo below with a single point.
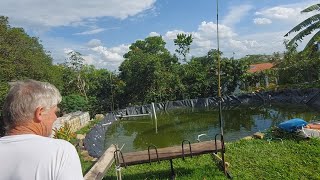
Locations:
(65, 133)
(72, 103)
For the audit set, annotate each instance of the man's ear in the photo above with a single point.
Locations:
(38, 116)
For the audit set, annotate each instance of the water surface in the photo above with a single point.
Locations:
(176, 125)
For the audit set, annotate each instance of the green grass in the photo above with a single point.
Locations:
(249, 159)
(199, 167)
(291, 158)
(259, 159)
(86, 165)
(88, 127)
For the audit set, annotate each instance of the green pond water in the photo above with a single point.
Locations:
(176, 125)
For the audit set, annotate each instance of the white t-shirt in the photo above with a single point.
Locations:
(40, 158)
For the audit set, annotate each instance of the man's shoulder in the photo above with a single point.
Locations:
(56, 145)
(36, 140)
(57, 142)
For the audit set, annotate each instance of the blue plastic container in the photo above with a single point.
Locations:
(292, 125)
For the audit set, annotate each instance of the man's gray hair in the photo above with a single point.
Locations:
(24, 98)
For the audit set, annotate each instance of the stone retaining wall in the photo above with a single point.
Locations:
(77, 120)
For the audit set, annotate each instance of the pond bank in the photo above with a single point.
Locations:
(95, 140)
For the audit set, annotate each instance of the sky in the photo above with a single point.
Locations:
(103, 30)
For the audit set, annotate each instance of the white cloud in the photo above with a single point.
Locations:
(205, 39)
(94, 43)
(235, 14)
(102, 57)
(243, 45)
(154, 34)
(59, 47)
(262, 21)
(93, 31)
(260, 43)
(94, 52)
(209, 30)
(41, 13)
(171, 35)
(280, 12)
(89, 59)
(288, 13)
(67, 50)
(109, 58)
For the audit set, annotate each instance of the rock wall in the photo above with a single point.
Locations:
(77, 120)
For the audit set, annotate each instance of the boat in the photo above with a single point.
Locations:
(310, 130)
(301, 127)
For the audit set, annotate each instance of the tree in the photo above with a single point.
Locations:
(201, 78)
(104, 89)
(149, 72)
(307, 27)
(151, 45)
(73, 73)
(183, 42)
(21, 57)
(298, 67)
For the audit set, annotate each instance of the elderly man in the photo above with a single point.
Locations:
(26, 151)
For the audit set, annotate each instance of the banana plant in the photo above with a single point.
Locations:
(305, 28)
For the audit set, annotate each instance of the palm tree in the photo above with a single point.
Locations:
(311, 24)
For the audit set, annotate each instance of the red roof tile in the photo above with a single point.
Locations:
(259, 67)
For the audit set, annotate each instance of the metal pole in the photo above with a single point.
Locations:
(112, 103)
(218, 48)
(155, 117)
(219, 92)
(219, 74)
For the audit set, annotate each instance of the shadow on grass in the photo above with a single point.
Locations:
(161, 174)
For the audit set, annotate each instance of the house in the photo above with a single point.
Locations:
(259, 67)
(256, 68)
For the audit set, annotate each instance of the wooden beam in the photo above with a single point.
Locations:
(99, 169)
(168, 153)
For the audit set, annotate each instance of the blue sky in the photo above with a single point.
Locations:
(102, 30)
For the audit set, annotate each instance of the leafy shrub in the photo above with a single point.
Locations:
(277, 133)
(72, 103)
(65, 133)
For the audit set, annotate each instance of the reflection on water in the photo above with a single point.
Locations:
(179, 124)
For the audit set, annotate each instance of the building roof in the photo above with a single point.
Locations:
(260, 67)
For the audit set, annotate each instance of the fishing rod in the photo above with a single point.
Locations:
(219, 92)
(219, 73)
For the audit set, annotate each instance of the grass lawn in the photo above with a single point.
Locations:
(85, 164)
(249, 159)
(257, 159)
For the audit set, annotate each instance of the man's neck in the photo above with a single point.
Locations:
(29, 128)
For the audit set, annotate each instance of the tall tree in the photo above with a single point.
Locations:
(21, 57)
(200, 77)
(74, 65)
(104, 89)
(307, 27)
(150, 45)
(183, 42)
(148, 72)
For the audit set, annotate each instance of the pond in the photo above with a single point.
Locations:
(176, 125)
